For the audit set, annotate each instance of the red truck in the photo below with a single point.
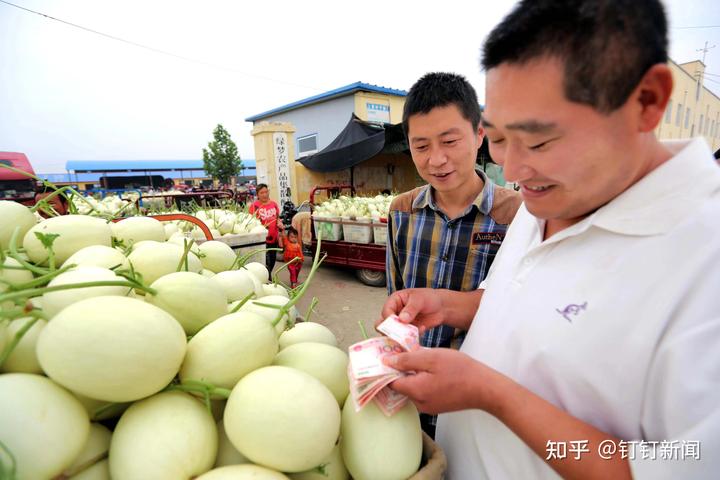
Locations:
(21, 188)
(16, 186)
(367, 259)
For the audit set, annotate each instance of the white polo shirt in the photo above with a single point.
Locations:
(615, 320)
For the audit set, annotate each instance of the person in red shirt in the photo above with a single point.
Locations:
(269, 214)
(292, 250)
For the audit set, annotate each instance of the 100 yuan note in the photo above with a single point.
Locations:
(366, 357)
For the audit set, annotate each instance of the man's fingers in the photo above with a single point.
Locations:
(392, 306)
(413, 306)
(417, 361)
(404, 385)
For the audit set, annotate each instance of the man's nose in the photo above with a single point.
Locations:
(514, 161)
(437, 156)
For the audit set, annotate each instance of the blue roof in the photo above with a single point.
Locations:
(94, 177)
(323, 97)
(139, 165)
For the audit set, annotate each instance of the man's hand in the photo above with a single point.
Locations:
(420, 306)
(445, 380)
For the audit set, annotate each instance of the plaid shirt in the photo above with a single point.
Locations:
(427, 249)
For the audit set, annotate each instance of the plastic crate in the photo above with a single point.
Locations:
(380, 232)
(329, 227)
(357, 231)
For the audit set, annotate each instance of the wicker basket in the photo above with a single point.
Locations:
(434, 462)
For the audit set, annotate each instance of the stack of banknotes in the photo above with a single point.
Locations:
(369, 376)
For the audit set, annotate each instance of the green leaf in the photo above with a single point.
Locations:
(47, 239)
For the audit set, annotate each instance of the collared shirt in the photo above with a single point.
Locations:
(615, 320)
(427, 249)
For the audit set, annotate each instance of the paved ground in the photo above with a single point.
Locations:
(343, 301)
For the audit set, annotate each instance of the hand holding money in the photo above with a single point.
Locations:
(369, 376)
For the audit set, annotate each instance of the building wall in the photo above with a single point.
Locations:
(325, 119)
(394, 104)
(693, 110)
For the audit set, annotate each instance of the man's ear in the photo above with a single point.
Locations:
(652, 95)
(480, 134)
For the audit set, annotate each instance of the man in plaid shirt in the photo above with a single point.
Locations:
(445, 234)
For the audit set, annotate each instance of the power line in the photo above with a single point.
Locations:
(697, 26)
(163, 52)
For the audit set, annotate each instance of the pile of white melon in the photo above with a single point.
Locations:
(109, 206)
(278, 390)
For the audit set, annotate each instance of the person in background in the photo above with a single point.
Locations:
(301, 222)
(57, 205)
(592, 350)
(293, 249)
(269, 214)
(446, 233)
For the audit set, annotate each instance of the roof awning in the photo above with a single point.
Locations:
(359, 141)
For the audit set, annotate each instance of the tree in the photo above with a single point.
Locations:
(221, 159)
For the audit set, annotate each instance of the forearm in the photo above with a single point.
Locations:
(537, 421)
(459, 307)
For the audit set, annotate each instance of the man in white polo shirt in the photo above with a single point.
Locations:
(593, 348)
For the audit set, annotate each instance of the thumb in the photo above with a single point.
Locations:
(417, 361)
(413, 306)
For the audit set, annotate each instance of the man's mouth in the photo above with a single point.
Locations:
(440, 175)
(537, 188)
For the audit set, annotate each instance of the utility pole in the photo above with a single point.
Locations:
(700, 79)
(705, 49)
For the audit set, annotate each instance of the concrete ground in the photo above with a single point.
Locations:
(343, 301)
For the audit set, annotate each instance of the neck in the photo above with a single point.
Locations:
(454, 202)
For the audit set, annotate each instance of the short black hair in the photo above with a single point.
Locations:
(260, 186)
(440, 89)
(606, 46)
(292, 231)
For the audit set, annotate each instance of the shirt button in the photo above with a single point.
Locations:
(527, 261)
(445, 258)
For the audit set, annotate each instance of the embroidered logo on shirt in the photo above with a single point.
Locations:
(571, 309)
(494, 238)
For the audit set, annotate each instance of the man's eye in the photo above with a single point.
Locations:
(541, 146)
(420, 148)
(450, 142)
(496, 141)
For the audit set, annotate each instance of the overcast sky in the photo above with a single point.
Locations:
(69, 94)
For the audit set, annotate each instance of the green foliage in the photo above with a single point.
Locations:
(221, 159)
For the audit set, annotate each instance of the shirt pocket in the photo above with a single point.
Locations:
(480, 257)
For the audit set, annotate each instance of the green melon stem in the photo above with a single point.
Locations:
(7, 472)
(183, 264)
(242, 302)
(315, 265)
(282, 267)
(311, 308)
(42, 280)
(36, 292)
(207, 390)
(362, 329)
(18, 336)
(15, 255)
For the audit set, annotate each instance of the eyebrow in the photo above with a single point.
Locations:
(529, 126)
(446, 132)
